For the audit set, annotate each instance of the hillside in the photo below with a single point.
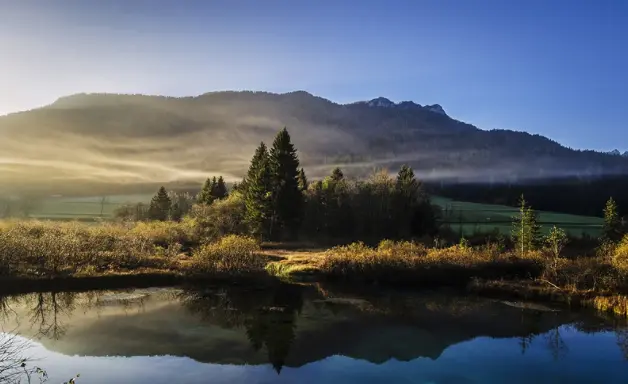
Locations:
(105, 143)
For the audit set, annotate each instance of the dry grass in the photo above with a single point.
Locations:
(614, 304)
(47, 249)
(411, 263)
(231, 255)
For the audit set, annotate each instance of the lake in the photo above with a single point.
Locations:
(309, 334)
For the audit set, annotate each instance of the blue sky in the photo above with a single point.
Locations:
(554, 67)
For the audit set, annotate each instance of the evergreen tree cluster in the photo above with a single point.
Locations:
(213, 189)
(279, 203)
(273, 190)
(378, 208)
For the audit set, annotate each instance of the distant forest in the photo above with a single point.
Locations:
(568, 194)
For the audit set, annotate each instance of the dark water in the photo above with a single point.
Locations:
(310, 334)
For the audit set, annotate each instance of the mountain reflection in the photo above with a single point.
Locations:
(283, 325)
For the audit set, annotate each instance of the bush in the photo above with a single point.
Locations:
(222, 217)
(232, 255)
(620, 255)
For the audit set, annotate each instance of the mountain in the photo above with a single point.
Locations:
(98, 143)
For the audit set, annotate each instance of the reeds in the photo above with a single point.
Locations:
(231, 255)
(46, 249)
(411, 263)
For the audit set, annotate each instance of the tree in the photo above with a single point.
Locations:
(286, 196)
(258, 194)
(525, 229)
(205, 196)
(337, 175)
(556, 241)
(160, 206)
(412, 206)
(612, 229)
(303, 183)
(220, 189)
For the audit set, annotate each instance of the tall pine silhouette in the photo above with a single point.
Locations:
(205, 196)
(286, 196)
(257, 193)
(160, 206)
(303, 183)
(220, 189)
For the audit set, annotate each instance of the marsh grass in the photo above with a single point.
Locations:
(46, 249)
(616, 304)
(415, 264)
(231, 255)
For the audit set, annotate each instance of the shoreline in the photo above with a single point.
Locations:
(516, 289)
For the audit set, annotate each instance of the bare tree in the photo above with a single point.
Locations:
(14, 366)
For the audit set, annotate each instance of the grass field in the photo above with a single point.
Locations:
(84, 208)
(471, 217)
(475, 217)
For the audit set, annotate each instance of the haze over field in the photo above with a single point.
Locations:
(91, 141)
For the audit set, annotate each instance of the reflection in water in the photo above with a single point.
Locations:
(296, 326)
(269, 318)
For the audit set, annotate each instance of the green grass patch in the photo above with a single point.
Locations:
(475, 218)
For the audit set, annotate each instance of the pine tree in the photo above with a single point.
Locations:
(205, 196)
(303, 183)
(412, 206)
(261, 155)
(337, 175)
(407, 185)
(612, 229)
(159, 206)
(258, 193)
(220, 189)
(286, 195)
(526, 232)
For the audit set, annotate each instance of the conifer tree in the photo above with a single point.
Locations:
(337, 175)
(286, 195)
(407, 185)
(260, 155)
(525, 229)
(258, 193)
(205, 196)
(612, 229)
(214, 183)
(220, 189)
(159, 208)
(303, 183)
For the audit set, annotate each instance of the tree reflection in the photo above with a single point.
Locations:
(46, 312)
(622, 341)
(556, 344)
(268, 316)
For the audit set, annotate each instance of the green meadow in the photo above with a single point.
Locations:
(470, 217)
(481, 218)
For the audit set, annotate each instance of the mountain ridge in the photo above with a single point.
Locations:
(105, 139)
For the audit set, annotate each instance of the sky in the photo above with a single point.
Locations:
(558, 68)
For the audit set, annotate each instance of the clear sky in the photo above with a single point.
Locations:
(554, 67)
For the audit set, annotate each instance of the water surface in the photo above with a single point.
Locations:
(310, 334)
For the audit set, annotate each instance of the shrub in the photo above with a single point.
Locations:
(620, 255)
(222, 217)
(232, 254)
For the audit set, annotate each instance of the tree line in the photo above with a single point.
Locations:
(275, 201)
(575, 195)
